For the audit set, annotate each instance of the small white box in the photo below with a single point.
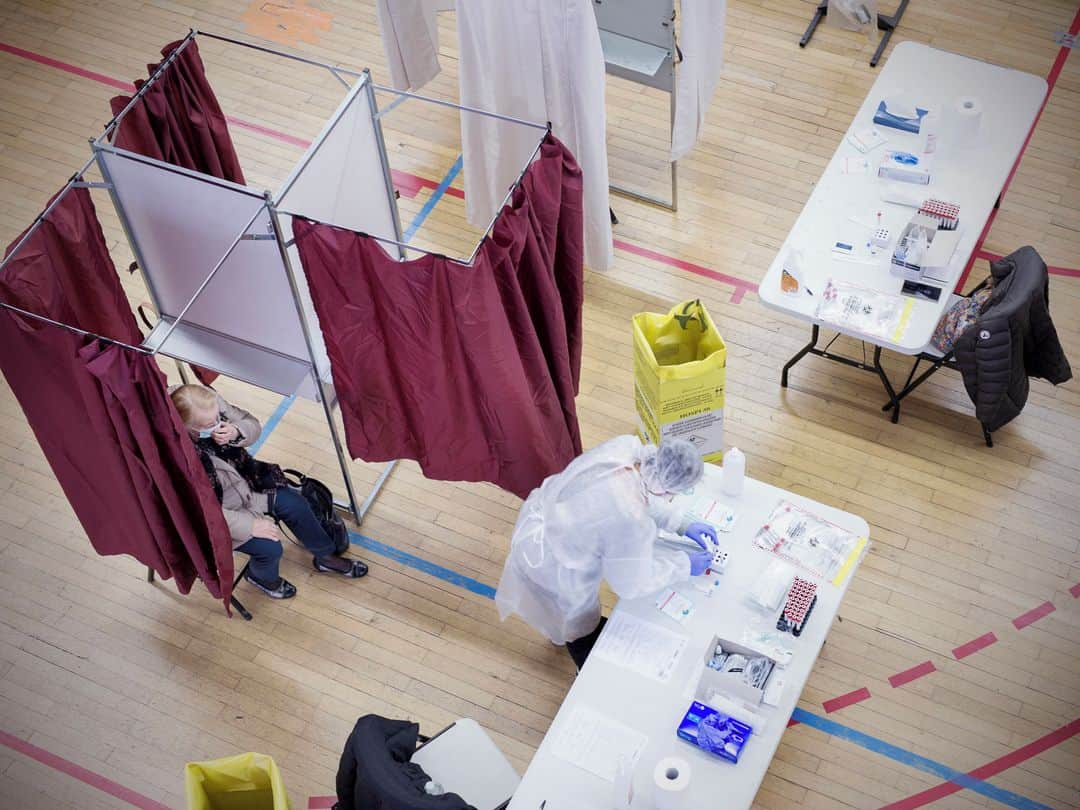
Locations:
(731, 684)
(906, 167)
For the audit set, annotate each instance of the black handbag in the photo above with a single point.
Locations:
(321, 500)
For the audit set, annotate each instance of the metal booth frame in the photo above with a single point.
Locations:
(638, 28)
(154, 344)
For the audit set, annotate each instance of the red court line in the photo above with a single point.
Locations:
(990, 768)
(1075, 590)
(741, 285)
(1054, 271)
(41, 59)
(973, 646)
(273, 133)
(909, 675)
(321, 802)
(860, 694)
(1051, 80)
(1033, 615)
(78, 772)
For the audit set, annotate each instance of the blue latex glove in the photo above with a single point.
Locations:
(715, 736)
(703, 534)
(699, 562)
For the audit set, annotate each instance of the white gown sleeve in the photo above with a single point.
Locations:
(633, 563)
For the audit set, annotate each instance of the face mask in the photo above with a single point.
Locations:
(207, 433)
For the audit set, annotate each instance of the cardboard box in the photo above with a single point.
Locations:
(680, 372)
(729, 684)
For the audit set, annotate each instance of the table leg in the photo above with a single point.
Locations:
(799, 355)
(887, 23)
(819, 12)
(893, 401)
(910, 386)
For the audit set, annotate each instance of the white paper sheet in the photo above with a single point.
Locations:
(596, 743)
(640, 646)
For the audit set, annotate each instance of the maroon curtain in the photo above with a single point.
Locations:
(472, 371)
(101, 412)
(179, 121)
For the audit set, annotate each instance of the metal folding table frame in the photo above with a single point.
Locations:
(936, 361)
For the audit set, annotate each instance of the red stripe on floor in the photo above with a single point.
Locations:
(273, 133)
(41, 59)
(1075, 590)
(990, 769)
(1033, 615)
(1051, 80)
(792, 722)
(843, 701)
(973, 646)
(321, 802)
(97, 781)
(741, 285)
(909, 675)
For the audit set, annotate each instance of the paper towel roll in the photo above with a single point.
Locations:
(671, 779)
(964, 116)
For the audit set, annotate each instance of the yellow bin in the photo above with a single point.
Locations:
(240, 782)
(680, 367)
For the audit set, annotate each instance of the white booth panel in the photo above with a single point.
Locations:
(343, 182)
(182, 226)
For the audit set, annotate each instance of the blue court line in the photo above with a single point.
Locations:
(429, 206)
(272, 423)
(916, 761)
(426, 566)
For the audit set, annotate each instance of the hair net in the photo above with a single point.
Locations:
(674, 466)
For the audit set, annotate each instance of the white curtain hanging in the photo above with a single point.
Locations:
(701, 40)
(539, 60)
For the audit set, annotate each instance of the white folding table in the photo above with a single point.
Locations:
(655, 709)
(973, 178)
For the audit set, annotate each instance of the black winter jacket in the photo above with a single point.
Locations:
(375, 772)
(1013, 339)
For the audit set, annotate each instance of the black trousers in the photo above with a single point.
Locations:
(580, 648)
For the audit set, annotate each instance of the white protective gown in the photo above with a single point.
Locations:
(410, 35)
(591, 522)
(538, 60)
(701, 40)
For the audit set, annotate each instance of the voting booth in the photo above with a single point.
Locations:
(219, 259)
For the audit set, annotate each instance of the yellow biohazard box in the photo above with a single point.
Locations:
(679, 374)
(241, 782)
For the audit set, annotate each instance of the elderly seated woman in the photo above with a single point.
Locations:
(253, 507)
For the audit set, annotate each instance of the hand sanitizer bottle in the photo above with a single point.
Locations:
(734, 472)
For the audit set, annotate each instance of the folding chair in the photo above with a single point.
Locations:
(236, 603)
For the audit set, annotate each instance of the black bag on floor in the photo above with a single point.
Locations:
(321, 500)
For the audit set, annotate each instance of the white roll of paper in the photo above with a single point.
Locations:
(964, 116)
(671, 780)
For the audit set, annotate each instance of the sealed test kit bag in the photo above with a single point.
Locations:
(240, 782)
(679, 375)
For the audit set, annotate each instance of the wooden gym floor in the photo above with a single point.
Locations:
(108, 684)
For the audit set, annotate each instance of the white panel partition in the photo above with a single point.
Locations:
(245, 322)
(341, 180)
